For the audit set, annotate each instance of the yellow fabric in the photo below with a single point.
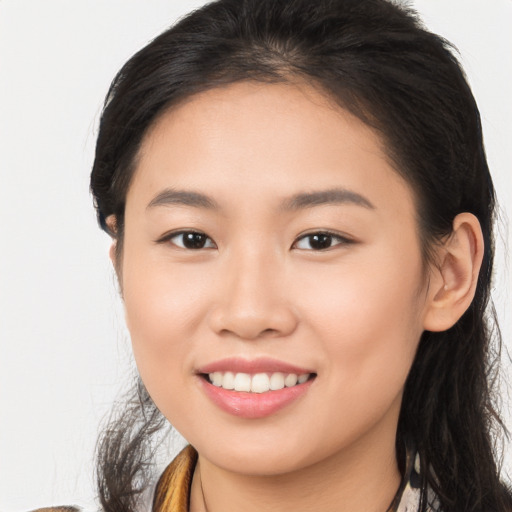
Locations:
(173, 489)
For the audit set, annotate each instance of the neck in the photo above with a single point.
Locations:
(362, 478)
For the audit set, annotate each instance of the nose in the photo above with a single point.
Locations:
(252, 300)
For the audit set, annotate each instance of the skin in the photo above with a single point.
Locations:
(353, 313)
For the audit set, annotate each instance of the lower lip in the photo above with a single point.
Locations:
(253, 405)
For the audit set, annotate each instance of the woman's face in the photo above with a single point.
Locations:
(267, 234)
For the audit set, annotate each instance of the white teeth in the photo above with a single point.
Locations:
(229, 380)
(290, 380)
(242, 382)
(303, 378)
(260, 383)
(276, 381)
(216, 378)
(257, 383)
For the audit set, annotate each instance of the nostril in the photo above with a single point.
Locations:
(252, 321)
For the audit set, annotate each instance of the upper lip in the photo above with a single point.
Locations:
(259, 365)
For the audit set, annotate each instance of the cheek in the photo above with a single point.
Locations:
(368, 318)
(163, 307)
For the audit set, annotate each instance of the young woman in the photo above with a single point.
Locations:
(301, 213)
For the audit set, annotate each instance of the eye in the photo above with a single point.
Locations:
(191, 240)
(320, 241)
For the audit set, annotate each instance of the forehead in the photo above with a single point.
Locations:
(266, 140)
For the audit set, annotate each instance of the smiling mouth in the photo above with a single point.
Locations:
(258, 382)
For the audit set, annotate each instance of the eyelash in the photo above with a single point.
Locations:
(341, 240)
(169, 237)
(332, 236)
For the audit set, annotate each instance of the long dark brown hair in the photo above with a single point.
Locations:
(378, 61)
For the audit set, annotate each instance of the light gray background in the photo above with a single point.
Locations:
(64, 353)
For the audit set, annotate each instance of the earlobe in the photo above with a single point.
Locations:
(112, 252)
(112, 228)
(453, 281)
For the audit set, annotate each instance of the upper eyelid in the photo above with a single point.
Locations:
(334, 234)
(171, 234)
(342, 239)
(340, 236)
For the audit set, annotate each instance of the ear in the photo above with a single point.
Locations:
(453, 280)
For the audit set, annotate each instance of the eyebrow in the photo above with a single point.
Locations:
(171, 196)
(299, 201)
(324, 197)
